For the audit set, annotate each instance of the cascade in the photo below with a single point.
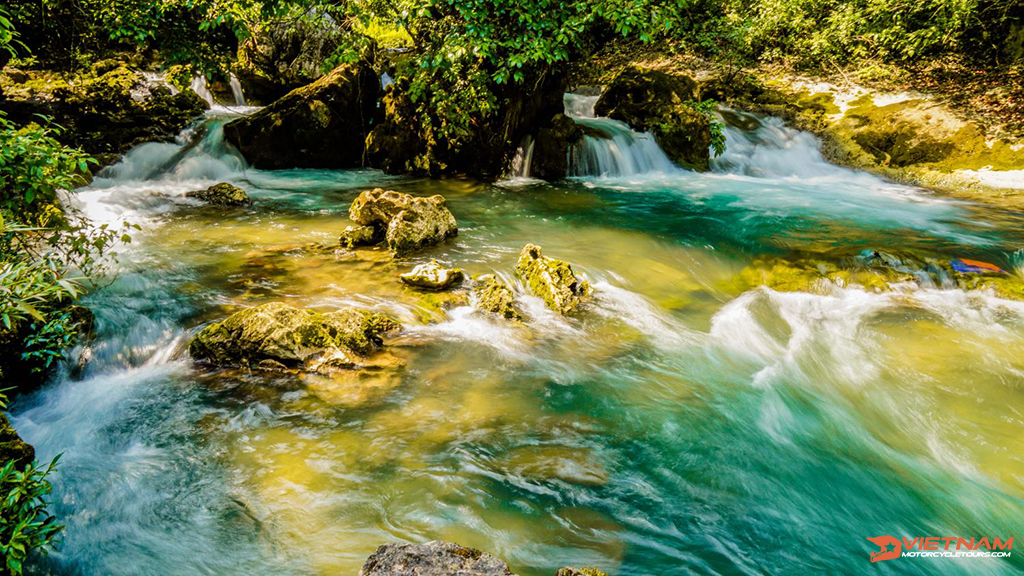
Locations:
(236, 90)
(199, 87)
(610, 147)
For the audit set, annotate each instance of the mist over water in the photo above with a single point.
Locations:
(678, 425)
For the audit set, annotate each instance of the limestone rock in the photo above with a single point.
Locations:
(281, 55)
(291, 337)
(552, 280)
(222, 194)
(661, 103)
(410, 222)
(322, 125)
(354, 236)
(437, 558)
(570, 571)
(433, 276)
(495, 296)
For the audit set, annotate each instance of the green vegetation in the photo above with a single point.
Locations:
(25, 525)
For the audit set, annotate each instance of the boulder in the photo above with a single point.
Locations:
(322, 125)
(433, 276)
(354, 236)
(222, 194)
(495, 296)
(551, 148)
(552, 280)
(405, 142)
(108, 110)
(292, 337)
(283, 55)
(437, 558)
(663, 104)
(570, 571)
(12, 447)
(409, 222)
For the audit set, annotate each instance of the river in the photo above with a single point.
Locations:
(681, 424)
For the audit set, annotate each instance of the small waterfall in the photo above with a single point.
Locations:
(199, 87)
(610, 147)
(236, 90)
(524, 157)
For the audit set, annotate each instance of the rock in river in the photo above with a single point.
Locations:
(409, 222)
(437, 558)
(292, 337)
(222, 194)
(433, 276)
(495, 296)
(12, 447)
(552, 280)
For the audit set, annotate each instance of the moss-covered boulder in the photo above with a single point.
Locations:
(551, 148)
(433, 276)
(276, 334)
(552, 280)
(435, 558)
(12, 447)
(405, 142)
(282, 55)
(322, 125)
(409, 222)
(496, 297)
(106, 110)
(222, 194)
(661, 103)
(570, 571)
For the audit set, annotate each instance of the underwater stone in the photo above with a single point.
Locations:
(433, 276)
(495, 296)
(410, 222)
(436, 558)
(291, 336)
(222, 194)
(552, 280)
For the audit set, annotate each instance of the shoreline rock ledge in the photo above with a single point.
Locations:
(440, 558)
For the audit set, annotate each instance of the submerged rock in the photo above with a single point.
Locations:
(663, 104)
(437, 558)
(322, 125)
(551, 148)
(552, 280)
(432, 276)
(12, 447)
(222, 194)
(292, 337)
(495, 296)
(409, 222)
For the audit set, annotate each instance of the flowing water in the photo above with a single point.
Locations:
(678, 425)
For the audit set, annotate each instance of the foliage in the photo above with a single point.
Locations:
(707, 109)
(25, 525)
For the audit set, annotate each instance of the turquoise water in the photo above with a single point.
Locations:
(678, 425)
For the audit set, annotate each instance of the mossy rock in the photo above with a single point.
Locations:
(552, 280)
(294, 132)
(409, 222)
(496, 297)
(661, 103)
(433, 276)
(355, 236)
(290, 336)
(570, 571)
(222, 194)
(12, 447)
